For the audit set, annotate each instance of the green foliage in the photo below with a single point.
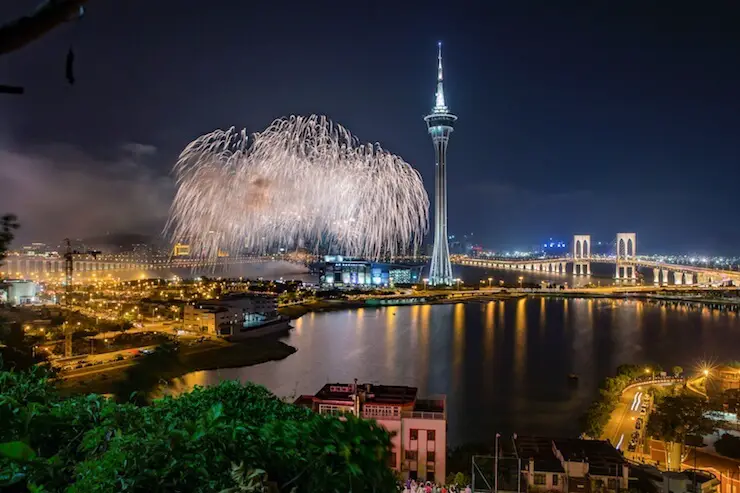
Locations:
(189, 443)
(598, 414)
(728, 445)
(461, 480)
(677, 370)
(677, 416)
(143, 378)
(8, 224)
(630, 371)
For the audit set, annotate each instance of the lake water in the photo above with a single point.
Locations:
(503, 365)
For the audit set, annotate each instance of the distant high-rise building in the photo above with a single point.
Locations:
(440, 123)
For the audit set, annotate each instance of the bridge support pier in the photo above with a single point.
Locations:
(678, 278)
(688, 278)
(656, 276)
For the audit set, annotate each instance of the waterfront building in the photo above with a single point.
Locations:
(19, 292)
(722, 379)
(229, 315)
(353, 272)
(419, 426)
(440, 124)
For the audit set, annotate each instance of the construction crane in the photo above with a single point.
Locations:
(69, 256)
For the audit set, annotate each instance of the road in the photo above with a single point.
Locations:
(621, 425)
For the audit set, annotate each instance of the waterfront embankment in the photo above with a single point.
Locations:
(208, 355)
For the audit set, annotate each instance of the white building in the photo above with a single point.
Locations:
(19, 292)
(226, 316)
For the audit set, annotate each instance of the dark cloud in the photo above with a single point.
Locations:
(138, 149)
(59, 191)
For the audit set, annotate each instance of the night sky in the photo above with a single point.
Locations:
(572, 119)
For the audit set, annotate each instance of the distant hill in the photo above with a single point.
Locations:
(121, 242)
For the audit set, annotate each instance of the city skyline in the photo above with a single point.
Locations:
(574, 121)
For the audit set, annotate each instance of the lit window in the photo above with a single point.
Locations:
(539, 479)
(414, 434)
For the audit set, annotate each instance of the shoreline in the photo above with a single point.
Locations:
(323, 306)
(640, 296)
(218, 356)
(258, 350)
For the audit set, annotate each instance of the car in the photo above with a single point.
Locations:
(638, 425)
(632, 447)
(643, 410)
(635, 435)
(119, 358)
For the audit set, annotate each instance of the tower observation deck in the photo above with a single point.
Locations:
(440, 124)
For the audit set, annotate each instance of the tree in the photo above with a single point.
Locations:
(677, 370)
(728, 445)
(229, 437)
(8, 224)
(677, 417)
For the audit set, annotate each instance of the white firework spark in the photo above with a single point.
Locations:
(302, 181)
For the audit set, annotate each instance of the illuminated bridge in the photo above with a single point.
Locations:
(52, 268)
(626, 261)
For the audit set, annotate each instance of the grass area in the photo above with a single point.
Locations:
(209, 356)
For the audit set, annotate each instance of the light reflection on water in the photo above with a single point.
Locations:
(503, 365)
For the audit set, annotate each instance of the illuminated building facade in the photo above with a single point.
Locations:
(440, 124)
(349, 272)
(181, 250)
(418, 426)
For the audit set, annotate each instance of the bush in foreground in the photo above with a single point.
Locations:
(193, 442)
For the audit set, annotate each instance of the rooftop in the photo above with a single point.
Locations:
(374, 394)
(602, 458)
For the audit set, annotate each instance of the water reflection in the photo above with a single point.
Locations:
(500, 374)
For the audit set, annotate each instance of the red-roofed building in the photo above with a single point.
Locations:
(420, 425)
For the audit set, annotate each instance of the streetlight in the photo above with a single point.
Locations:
(458, 283)
(426, 283)
(520, 281)
(490, 280)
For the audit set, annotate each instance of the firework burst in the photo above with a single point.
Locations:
(302, 181)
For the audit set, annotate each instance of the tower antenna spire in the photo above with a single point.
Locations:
(439, 102)
(439, 60)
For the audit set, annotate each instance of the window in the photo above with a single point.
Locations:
(430, 456)
(414, 434)
(431, 435)
(555, 479)
(611, 483)
(392, 459)
(539, 479)
(412, 454)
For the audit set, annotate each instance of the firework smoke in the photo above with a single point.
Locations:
(302, 181)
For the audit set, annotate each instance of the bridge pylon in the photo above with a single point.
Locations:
(626, 256)
(581, 255)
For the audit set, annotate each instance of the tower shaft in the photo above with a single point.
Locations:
(440, 271)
